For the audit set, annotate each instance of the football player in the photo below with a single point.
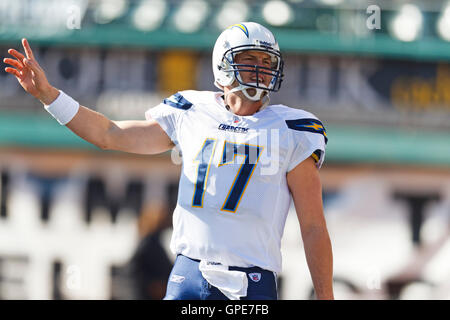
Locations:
(243, 162)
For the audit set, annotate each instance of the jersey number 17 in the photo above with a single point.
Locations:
(230, 151)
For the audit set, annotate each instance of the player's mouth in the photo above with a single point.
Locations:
(259, 79)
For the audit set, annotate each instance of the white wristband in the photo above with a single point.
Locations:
(63, 109)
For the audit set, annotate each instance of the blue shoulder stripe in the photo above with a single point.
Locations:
(310, 125)
(178, 101)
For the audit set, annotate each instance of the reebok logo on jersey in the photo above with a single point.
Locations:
(255, 277)
(176, 278)
(227, 127)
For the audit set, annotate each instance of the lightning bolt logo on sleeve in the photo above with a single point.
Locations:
(178, 101)
(310, 125)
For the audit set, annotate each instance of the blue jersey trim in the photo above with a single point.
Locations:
(309, 125)
(178, 101)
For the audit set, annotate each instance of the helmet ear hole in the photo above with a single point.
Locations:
(225, 80)
(222, 66)
(226, 75)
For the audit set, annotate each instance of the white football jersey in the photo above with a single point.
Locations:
(233, 196)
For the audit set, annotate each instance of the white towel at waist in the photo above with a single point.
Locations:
(233, 284)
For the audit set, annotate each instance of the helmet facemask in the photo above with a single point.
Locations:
(275, 71)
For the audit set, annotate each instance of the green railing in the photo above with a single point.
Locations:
(355, 144)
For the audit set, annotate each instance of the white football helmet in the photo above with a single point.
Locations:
(243, 37)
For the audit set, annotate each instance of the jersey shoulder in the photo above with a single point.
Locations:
(186, 99)
(299, 120)
(196, 97)
(288, 113)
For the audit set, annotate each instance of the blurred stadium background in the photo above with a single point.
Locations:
(80, 223)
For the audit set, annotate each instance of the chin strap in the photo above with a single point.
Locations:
(260, 93)
(241, 87)
(265, 99)
(256, 97)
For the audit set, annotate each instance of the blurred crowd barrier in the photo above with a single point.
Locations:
(97, 225)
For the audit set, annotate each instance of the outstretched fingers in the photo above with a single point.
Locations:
(13, 72)
(27, 48)
(15, 63)
(16, 54)
(22, 61)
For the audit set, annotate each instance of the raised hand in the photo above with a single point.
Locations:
(30, 74)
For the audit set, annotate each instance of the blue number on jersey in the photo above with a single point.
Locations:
(251, 154)
(204, 158)
(230, 151)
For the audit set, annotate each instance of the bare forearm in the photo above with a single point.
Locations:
(141, 137)
(91, 126)
(319, 257)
